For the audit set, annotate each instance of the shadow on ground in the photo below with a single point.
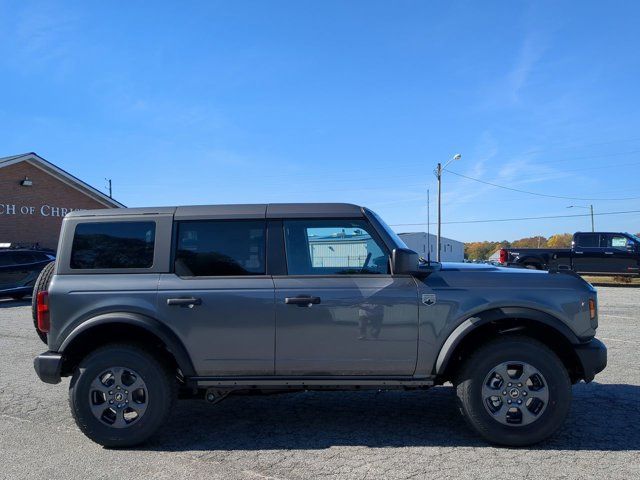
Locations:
(603, 417)
(11, 303)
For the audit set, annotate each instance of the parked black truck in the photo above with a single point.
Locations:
(593, 253)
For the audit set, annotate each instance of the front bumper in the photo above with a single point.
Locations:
(593, 358)
(48, 366)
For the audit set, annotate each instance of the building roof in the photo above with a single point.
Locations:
(64, 176)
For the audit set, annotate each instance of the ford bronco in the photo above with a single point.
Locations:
(145, 303)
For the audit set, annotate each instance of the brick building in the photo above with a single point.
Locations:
(35, 195)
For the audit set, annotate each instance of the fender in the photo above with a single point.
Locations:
(470, 324)
(151, 325)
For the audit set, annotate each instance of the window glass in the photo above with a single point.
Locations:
(330, 247)
(588, 240)
(394, 236)
(220, 248)
(617, 241)
(113, 245)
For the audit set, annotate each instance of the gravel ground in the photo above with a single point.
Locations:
(325, 435)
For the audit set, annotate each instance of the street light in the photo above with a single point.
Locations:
(590, 207)
(438, 172)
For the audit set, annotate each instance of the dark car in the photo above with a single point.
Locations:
(19, 269)
(592, 253)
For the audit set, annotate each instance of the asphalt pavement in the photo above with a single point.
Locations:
(341, 435)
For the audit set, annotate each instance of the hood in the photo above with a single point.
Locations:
(484, 267)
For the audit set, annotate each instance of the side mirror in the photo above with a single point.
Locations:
(406, 262)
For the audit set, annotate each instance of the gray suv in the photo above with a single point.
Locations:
(147, 303)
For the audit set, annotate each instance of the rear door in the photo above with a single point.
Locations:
(338, 310)
(588, 255)
(218, 298)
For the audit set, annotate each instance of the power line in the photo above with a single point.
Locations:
(536, 193)
(518, 219)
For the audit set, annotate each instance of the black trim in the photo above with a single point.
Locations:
(494, 315)
(153, 326)
(276, 255)
(312, 380)
(48, 366)
(593, 358)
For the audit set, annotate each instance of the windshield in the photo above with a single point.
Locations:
(394, 236)
(637, 239)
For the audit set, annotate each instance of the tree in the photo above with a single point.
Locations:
(560, 240)
(482, 250)
(530, 242)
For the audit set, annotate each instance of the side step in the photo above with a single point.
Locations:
(313, 381)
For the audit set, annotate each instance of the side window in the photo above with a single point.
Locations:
(617, 241)
(333, 247)
(113, 245)
(588, 240)
(208, 248)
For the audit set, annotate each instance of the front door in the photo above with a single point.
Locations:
(339, 311)
(620, 252)
(219, 300)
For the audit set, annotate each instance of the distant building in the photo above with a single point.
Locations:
(34, 197)
(423, 243)
(344, 250)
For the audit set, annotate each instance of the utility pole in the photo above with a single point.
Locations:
(438, 172)
(590, 208)
(428, 228)
(109, 187)
(439, 176)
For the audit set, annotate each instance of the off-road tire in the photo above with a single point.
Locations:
(474, 371)
(42, 284)
(160, 382)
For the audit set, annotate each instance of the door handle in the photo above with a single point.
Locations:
(302, 301)
(184, 302)
(578, 253)
(608, 253)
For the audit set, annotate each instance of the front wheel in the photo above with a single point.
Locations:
(120, 395)
(514, 391)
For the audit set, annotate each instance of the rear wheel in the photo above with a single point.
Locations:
(514, 391)
(121, 394)
(42, 284)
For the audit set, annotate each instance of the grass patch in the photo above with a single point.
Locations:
(614, 281)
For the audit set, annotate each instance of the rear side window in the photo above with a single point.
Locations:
(588, 240)
(209, 248)
(113, 245)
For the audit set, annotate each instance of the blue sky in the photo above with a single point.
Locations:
(241, 102)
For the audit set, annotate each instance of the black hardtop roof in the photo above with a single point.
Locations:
(235, 211)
